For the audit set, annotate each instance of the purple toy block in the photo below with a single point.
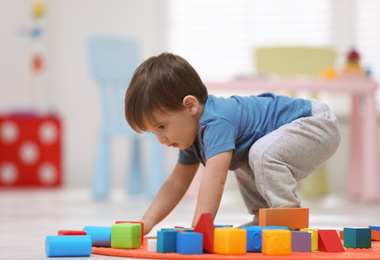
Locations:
(301, 241)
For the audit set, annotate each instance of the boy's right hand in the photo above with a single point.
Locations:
(148, 225)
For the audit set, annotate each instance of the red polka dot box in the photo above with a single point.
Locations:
(30, 151)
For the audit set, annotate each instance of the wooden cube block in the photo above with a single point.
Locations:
(167, 241)
(294, 218)
(152, 245)
(357, 237)
(230, 241)
(253, 238)
(301, 241)
(314, 237)
(276, 242)
(189, 243)
(126, 235)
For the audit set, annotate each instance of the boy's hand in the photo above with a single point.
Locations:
(148, 225)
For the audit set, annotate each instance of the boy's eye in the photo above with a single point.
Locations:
(161, 127)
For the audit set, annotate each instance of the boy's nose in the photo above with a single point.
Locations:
(162, 139)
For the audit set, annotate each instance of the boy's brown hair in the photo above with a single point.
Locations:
(161, 82)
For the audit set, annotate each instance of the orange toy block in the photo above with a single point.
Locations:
(230, 241)
(329, 241)
(276, 242)
(375, 235)
(294, 218)
(206, 226)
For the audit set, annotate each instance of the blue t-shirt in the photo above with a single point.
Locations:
(237, 122)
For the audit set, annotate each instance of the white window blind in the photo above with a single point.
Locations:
(219, 36)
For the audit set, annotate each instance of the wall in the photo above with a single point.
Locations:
(68, 88)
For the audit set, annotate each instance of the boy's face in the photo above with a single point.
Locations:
(176, 129)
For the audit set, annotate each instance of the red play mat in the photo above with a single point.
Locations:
(141, 252)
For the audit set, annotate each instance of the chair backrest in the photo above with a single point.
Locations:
(113, 61)
(287, 61)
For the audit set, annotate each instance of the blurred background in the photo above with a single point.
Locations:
(45, 68)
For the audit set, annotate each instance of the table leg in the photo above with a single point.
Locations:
(355, 164)
(370, 184)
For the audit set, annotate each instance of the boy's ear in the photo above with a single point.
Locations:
(191, 103)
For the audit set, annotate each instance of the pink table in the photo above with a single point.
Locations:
(364, 166)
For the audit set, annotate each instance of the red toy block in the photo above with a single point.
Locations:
(329, 241)
(30, 151)
(205, 226)
(72, 233)
(134, 222)
(293, 218)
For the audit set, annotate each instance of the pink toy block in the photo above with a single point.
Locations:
(329, 241)
(205, 226)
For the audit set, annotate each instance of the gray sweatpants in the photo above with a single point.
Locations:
(283, 157)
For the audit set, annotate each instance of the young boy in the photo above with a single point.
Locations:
(269, 141)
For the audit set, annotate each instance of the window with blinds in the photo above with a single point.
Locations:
(219, 37)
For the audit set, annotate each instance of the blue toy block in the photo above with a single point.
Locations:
(377, 228)
(275, 227)
(68, 246)
(357, 237)
(301, 241)
(100, 236)
(189, 243)
(167, 241)
(253, 238)
(221, 226)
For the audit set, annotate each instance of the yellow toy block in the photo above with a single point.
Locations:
(293, 218)
(276, 242)
(230, 241)
(314, 237)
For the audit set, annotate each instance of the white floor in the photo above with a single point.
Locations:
(28, 216)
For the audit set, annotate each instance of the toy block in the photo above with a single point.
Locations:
(230, 241)
(375, 235)
(30, 151)
(357, 237)
(329, 241)
(275, 227)
(178, 229)
(294, 218)
(301, 241)
(189, 243)
(100, 236)
(205, 226)
(167, 241)
(314, 237)
(152, 245)
(64, 246)
(134, 222)
(221, 226)
(126, 235)
(253, 238)
(377, 228)
(72, 233)
(276, 242)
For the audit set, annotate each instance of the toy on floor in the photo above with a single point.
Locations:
(279, 239)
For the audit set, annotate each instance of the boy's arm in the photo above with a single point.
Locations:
(170, 193)
(212, 185)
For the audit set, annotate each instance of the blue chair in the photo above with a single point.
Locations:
(112, 62)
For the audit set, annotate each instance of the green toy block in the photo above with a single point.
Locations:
(357, 237)
(126, 235)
